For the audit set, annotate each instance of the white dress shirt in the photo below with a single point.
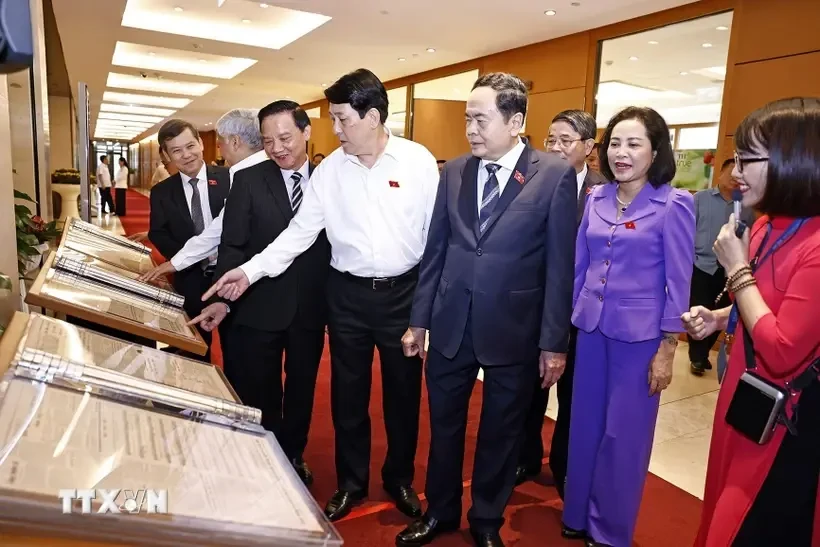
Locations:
(205, 245)
(506, 164)
(304, 171)
(121, 180)
(580, 178)
(103, 176)
(376, 219)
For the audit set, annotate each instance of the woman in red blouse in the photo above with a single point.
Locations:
(767, 494)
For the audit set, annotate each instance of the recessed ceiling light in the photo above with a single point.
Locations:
(430, 50)
(131, 109)
(707, 44)
(126, 81)
(633, 58)
(402, 59)
(653, 42)
(129, 117)
(722, 27)
(178, 61)
(324, 85)
(246, 21)
(550, 12)
(178, 9)
(148, 100)
(264, 6)
(152, 54)
(684, 73)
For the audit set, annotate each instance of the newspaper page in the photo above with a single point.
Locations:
(122, 257)
(68, 341)
(60, 439)
(103, 298)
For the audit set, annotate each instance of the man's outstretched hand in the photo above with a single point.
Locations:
(160, 271)
(230, 286)
(211, 316)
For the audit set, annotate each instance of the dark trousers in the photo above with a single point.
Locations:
(363, 317)
(106, 200)
(705, 288)
(119, 193)
(783, 511)
(532, 447)
(253, 366)
(194, 285)
(506, 391)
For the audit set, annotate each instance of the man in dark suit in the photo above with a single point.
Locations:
(278, 314)
(183, 205)
(572, 137)
(495, 292)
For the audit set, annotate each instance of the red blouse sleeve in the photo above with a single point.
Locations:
(785, 342)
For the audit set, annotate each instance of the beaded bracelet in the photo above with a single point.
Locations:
(743, 284)
(731, 281)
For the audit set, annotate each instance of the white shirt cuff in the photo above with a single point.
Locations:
(177, 262)
(252, 270)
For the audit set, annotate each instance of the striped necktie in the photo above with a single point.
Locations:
(489, 197)
(296, 197)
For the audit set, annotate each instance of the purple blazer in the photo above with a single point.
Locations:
(632, 275)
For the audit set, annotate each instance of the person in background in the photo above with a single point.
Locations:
(495, 291)
(121, 185)
(593, 160)
(712, 209)
(571, 137)
(440, 164)
(104, 183)
(317, 158)
(633, 270)
(762, 495)
(374, 197)
(160, 174)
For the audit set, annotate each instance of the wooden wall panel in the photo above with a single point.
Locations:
(755, 84)
(439, 126)
(767, 29)
(322, 138)
(211, 151)
(553, 65)
(543, 107)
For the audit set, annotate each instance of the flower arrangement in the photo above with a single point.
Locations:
(68, 176)
(33, 235)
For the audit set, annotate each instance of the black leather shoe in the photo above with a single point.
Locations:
(423, 531)
(303, 471)
(486, 539)
(341, 503)
(572, 533)
(593, 543)
(524, 473)
(407, 501)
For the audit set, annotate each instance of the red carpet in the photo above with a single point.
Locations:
(669, 516)
(136, 220)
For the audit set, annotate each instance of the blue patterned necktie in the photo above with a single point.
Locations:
(489, 198)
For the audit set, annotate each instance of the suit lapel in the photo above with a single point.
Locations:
(524, 170)
(276, 186)
(644, 204)
(181, 202)
(467, 202)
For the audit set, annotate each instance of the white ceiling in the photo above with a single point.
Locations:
(318, 41)
(675, 73)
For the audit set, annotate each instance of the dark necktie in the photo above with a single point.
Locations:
(196, 208)
(489, 197)
(296, 198)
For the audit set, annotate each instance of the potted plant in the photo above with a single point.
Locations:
(33, 235)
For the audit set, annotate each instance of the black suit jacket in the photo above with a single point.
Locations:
(592, 178)
(516, 278)
(171, 225)
(258, 210)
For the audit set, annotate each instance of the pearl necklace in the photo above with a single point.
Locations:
(623, 205)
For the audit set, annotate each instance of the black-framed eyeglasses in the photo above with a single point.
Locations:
(740, 161)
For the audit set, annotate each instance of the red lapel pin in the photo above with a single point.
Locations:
(394, 184)
(519, 177)
(212, 182)
(629, 225)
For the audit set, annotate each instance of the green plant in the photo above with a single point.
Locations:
(32, 231)
(5, 288)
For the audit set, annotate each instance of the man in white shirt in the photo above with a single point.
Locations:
(104, 182)
(183, 206)
(240, 143)
(278, 315)
(572, 137)
(374, 196)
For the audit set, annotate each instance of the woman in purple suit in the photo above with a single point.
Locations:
(633, 265)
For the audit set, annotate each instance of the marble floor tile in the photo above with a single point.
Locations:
(682, 461)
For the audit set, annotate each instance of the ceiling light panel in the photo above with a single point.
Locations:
(156, 85)
(146, 100)
(179, 61)
(132, 109)
(128, 117)
(271, 28)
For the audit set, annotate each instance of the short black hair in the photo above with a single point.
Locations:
(300, 117)
(103, 157)
(663, 167)
(441, 161)
(362, 90)
(511, 93)
(580, 121)
(788, 132)
(173, 129)
(727, 163)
